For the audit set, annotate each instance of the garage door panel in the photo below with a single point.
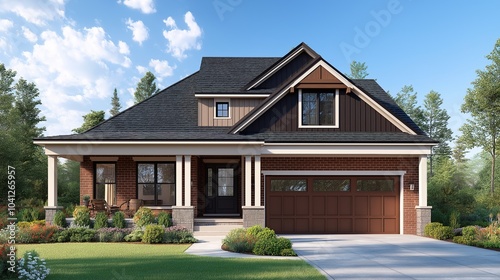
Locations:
(331, 225)
(288, 205)
(376, 225)
(361, 225)
(302, 206)
(319, 206)
(361, 206)
(332, 206)
(288, 225)
(390, 206)
(274, 206)
(391, 226)
(302, 225)
(345, 206)
(318, 225)
(275, 224)
(376, 206)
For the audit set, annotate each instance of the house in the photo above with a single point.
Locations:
(287, 142)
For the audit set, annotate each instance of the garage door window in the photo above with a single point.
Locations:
(331, 185)
(375, 185)
(288, 185)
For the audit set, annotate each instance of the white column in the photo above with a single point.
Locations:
(52, 181)
(187, 179)
(178, 180)
(248, 181)
(258, 196)
(422, 181)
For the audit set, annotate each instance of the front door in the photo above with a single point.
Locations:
(221, 190)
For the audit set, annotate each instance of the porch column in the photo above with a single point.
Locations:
(178, 180)
(423, 211)
(248, 181)
(187, 180)
(51, 208)
(258, 196)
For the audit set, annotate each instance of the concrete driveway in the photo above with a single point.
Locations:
(395, 257)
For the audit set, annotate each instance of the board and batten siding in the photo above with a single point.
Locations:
(238, 108)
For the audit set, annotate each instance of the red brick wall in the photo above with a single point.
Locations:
(86, 178)
(410, 165)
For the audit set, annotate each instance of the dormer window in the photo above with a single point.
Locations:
(222, 109)
(318, 108)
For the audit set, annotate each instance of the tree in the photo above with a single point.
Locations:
(435, 124)
(115, 104)
(68, 181)
(90, 120)
(145, 88)
(358, 70)
(482, 102)
(406, 98)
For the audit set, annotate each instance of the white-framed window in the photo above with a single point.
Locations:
(319, 108)
(222, 108)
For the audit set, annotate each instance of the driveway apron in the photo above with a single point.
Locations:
(395, 257)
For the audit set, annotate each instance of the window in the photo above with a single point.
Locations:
(156, 183)
(288, 185)
(105, 182)
(319, 108)
(331, 185)
(375, 185)
(222, 109)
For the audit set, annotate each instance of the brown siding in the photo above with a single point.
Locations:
(286, 72)
(238, 107)
(354, 116)
(409, 164)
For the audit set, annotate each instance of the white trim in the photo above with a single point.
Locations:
(278, 67)
(103, 158)
(336, 105)
(187, 179)
(153, 158)
(52, 181)
(401, 204)
(346, 149)
(199, 95)
(350, 144)
(220, 100)
(395, 121)
(422, 181)
(178, 180)
(333, 173)
(248, 181)
(257, 176)
(101, 142)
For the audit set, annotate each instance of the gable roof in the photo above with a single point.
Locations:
(172, 114)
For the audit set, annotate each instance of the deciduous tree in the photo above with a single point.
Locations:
(90, 120)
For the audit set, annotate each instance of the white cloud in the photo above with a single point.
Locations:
(181, 40)
(30, 36)
(123, 48)
(146, 6)
(161, 68)
(5, 25)
(139, 30)
(35, 11)
(141, 69)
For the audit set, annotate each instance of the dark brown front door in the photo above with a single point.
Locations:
(221, 190)
(337, 204)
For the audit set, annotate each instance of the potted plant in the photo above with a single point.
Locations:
(86, 199)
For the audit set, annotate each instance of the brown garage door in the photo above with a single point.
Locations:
(361, 204)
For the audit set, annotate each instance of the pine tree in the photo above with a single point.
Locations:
(115, 104)
(358, 70)
(90, 120)
(145, 88)
(407, 100)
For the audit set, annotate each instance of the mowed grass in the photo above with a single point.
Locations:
(126, 261)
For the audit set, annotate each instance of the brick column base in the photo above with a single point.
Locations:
(183, 216)
(423, 218)
(253, 215)
(50, 212)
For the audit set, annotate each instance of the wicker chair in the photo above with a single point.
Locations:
(99, 205)
(131, 206)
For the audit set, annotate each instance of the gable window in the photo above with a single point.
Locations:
(222, 109)
(156, 183)
(105, 182)
(318, 108)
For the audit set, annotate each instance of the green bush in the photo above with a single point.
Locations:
(135, 235)
(81, 216)
(266, 233)
(272, 246)
(101, 220)
(254, 230)
(469, 232)
(112, 234)
(288, 253)
(119, 220)
(36, 233)
(143, 217)
(438, 231)
(59, 219)
(429, 228)
(153, 234)
(76, 234)
(24, 215)
(454, 219)
(239, 240)
(165, 219)
(178, 235)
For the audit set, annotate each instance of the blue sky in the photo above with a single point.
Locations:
(78, 51)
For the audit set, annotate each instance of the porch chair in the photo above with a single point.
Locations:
(99, 205)
(131, 206)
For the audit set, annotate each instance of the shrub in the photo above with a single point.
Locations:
(32, 267)
(75, 234)
(288, 252)
(101, 220)
(266, 233)
(4, 250)
(254, 230)
(24, 215)
(119, 220)
(178, 235)
(112, 234)
(165, 219)
(239, 240)
(36, 233)
(429, 228)
(438, 231)
(455, 219)
(59, 219)
(135, 235)
(82, 216)
(272, 246)
(144, 216)
(153, 234)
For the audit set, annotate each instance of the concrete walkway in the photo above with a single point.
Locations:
(378, 256)
(395, 257)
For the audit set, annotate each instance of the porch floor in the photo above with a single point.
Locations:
(215, 226)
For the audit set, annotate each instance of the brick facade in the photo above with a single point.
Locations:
(410, 165)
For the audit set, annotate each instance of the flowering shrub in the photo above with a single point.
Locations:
(36, 233)
(178, 234)
(32, 267)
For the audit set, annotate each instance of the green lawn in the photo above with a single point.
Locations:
(125, 261)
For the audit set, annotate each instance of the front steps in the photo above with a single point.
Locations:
(215, 226)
